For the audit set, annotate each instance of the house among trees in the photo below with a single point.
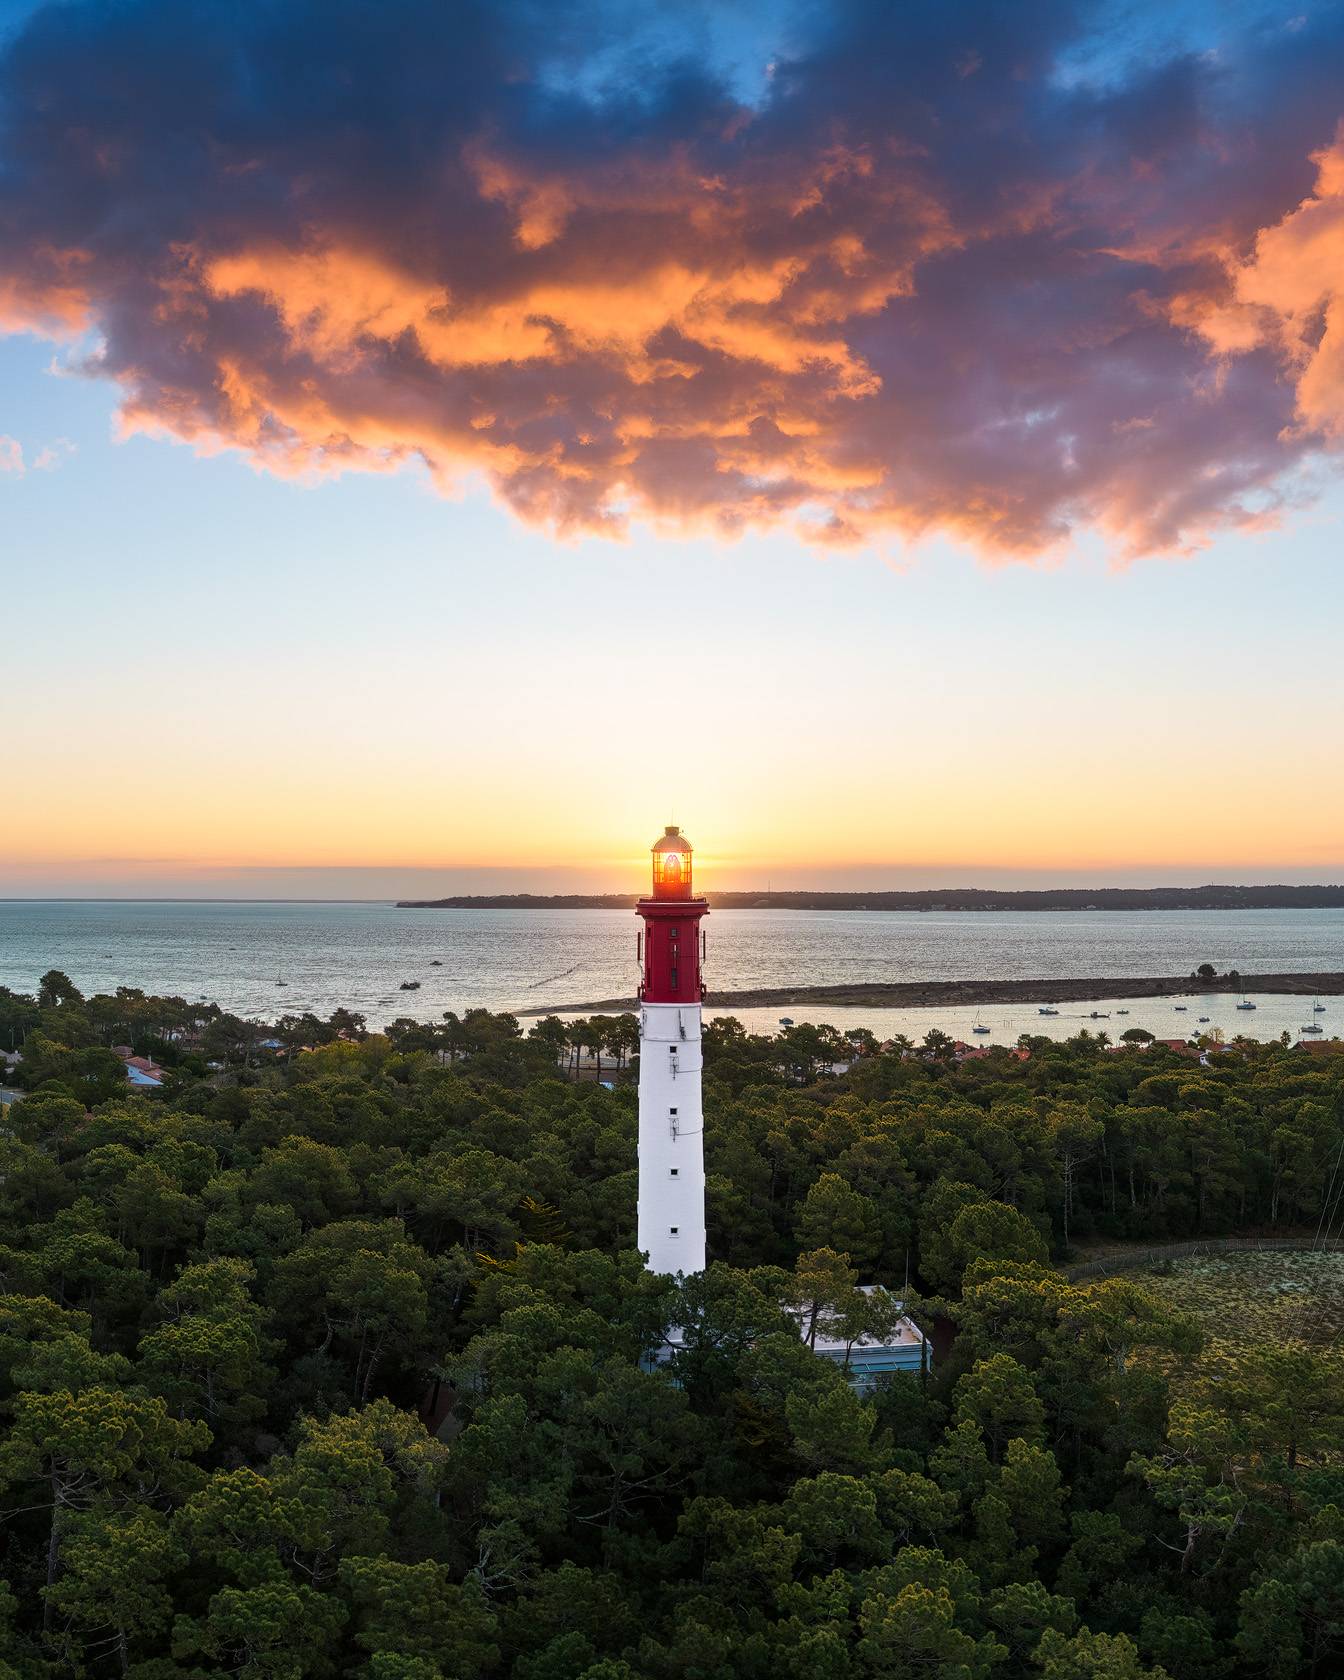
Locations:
(140, 1071)
(1178, 1047)
(871, 1344)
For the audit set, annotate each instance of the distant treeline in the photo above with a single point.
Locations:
(949, 898)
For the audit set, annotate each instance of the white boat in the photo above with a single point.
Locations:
(979, 1029)
(1315, 1027)
(1245, 1004)
(1045, 1009)
(1100, 1015)
(1122, 1012)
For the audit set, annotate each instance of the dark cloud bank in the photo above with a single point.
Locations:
(927, 283)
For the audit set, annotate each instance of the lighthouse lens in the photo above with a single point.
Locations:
(672, 874)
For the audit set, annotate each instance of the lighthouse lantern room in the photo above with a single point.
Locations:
(671, 1115)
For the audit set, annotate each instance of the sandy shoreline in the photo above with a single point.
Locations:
(915, 994)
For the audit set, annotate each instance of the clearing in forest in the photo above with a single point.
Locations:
(1251, 1299)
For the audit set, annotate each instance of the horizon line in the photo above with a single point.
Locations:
(393, 902)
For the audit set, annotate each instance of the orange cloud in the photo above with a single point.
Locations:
(49, 297)
(1290, 294)
(923, 285)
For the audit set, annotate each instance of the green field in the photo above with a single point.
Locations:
(1249, 1298)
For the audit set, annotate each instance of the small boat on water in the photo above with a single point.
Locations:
(282, 982)
(1318, 1008)
(1100, 1015)
(410, 985)
(1203, 1020)
(1045, 1009)
(1245, 1004)
(1181, 1008)
(1122, 1012)
(977, 1028)
(1315, 1027)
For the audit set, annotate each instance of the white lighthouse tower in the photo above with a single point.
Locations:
(671, 1118)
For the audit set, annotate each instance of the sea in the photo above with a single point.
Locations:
(268, 959)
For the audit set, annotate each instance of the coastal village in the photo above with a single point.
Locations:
(581, 1058)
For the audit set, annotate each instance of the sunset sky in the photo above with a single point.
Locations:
(897, 442)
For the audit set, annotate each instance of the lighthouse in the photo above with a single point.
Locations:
(671, 1117)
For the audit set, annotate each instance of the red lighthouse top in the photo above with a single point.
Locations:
(672, 942)
(672, 865)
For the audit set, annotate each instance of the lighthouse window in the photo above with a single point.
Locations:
(673, 981)
(672, 1111)
(674, 1230)
(674, 1172)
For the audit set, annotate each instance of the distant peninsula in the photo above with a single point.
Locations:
(951, 898)
(925, 994)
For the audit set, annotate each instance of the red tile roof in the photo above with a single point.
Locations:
(143, 1065)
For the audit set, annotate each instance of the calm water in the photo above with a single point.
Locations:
(358, 954)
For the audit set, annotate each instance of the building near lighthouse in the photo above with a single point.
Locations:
(867, 1359)
(671, 1114)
